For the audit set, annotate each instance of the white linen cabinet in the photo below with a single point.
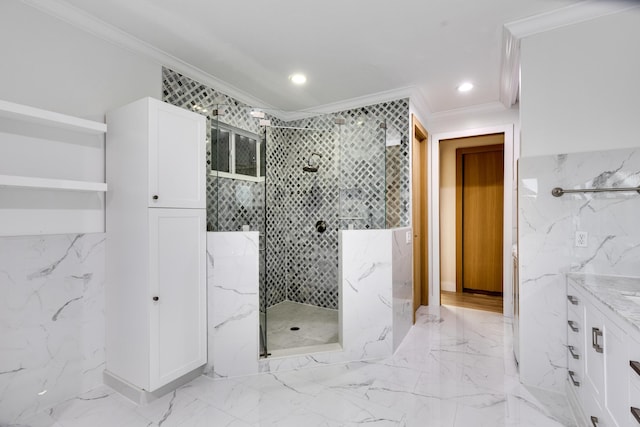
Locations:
(156, 244)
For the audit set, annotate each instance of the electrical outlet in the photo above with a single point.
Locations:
(582, 239)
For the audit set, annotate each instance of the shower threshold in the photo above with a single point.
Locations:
(302, 351)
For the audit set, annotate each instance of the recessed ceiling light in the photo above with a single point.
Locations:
(465, 87)
(298, 78)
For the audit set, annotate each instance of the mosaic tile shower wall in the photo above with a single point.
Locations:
(348, 190)
(306, 198)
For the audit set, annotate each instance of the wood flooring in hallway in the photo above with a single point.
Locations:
(474, 301)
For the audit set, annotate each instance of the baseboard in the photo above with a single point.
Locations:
(574, 404)
(143, 397)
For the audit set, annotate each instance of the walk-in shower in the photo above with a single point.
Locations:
(258, 189)
(298, 184)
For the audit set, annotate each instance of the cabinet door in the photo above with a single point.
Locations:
(177, 157)
(177, 245)
(616, 374)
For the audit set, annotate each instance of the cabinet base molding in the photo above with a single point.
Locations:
(574, 404)
(143, 397)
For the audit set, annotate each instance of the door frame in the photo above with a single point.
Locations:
(510, 150)
(420, 214)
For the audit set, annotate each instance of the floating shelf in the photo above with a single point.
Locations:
(50, 118)
(50, 184)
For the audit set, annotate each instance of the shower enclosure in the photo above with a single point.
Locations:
(297, 183)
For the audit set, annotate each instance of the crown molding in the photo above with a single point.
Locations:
(568, 15)
(349, 104)
(489, 107)
(509, 69)
(92, 25)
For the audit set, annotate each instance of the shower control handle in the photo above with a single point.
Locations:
(321, 226)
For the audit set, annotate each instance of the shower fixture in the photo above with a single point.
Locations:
(311, 166)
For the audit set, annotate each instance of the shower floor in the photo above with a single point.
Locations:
(318, 326)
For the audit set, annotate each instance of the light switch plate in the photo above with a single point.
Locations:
(408, 237)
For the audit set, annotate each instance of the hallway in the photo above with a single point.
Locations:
(455, 368)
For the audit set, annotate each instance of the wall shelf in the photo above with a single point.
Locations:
(49, 118)
(50, 184)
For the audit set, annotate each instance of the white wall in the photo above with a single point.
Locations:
(579, 87)
(49, 64)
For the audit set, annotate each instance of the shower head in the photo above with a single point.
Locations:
(310, 166)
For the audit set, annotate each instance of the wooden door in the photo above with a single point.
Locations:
(177, 157)
(419, 215)
(479, 217)
(177, 277)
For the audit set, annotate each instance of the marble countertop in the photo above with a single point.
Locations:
(620, 294)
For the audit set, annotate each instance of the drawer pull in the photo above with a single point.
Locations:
(573, 300)
(595, 333)
(636, 414)
(635, 366)
(573, 354)
(573, 380)
(594, 421)
(573, 325)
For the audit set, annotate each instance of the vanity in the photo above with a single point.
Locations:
(603, 349)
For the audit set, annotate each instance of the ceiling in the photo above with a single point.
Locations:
(348, 49)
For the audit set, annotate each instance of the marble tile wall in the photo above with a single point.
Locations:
(51, 321)
(232, 294)
(402, 283)
(366, 298)
(546, 236)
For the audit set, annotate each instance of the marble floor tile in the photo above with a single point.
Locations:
(455, 368)
(101, 407)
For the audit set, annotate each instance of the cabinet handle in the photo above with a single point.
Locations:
(594, 421)
(573, 300)
(155, 197)
(573, 325)
(595, 333)
(636, 414)
(573, 380)
(156, 298)
(573, 354)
